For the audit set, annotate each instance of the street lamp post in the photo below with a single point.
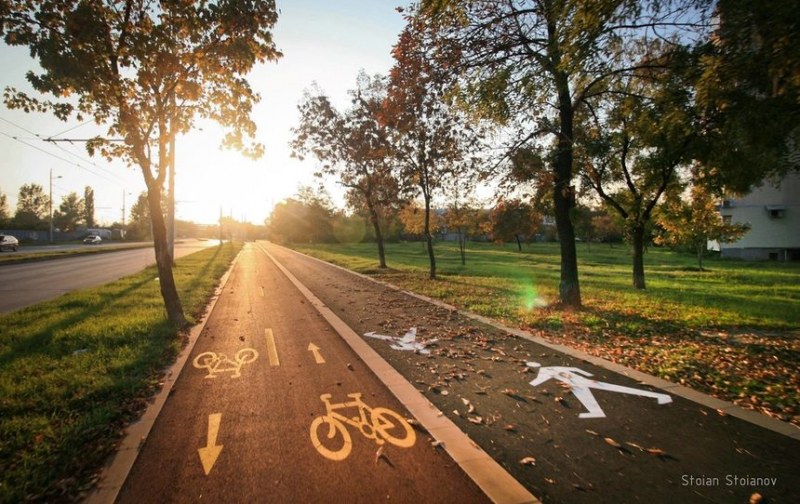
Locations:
(51, 203)
(124, 229)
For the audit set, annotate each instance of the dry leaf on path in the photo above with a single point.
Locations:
(528, 461)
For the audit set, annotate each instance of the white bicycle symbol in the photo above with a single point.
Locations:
(219, 363)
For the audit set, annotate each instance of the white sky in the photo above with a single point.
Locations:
(322, 41)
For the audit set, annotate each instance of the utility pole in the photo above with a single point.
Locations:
(51, 204)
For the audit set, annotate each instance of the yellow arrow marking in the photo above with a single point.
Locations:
(314, 349)
(209, 454)
(272, 350)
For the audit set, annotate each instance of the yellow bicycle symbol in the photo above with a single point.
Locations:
(219, 363)
(378, 424)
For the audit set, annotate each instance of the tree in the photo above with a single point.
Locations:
(139, 225)
(70, 212)
(353, 147)
(32, 208)
(464, 215)
(431, 139)
(5, 216)
(147, 70)
(88, 206)
(697, 222)
(513, 220)
(533, 66)
(749, 94)
(630, 153)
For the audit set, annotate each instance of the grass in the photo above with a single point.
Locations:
(75, 370)
(731, 331)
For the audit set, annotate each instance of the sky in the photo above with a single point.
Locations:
(323, 42)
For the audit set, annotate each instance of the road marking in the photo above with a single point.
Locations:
(220, 363)
(209, 454)
(408, 342)
(272, 350)
(378, 424)
(314, 349)
(581, 386)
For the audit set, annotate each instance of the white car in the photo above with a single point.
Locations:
(8, 242)
(92, 240)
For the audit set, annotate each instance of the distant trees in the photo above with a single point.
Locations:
(305, 218)
(5, 215)
(139, 225)
(32, 208)
(513, 220)
(694, 223)
(88, 206)
(70, 212)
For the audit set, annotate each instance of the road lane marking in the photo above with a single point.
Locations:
(314, 349)
(272, 350)
(210, 453)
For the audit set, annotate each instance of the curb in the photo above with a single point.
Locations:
(724, 407)
(114, 474)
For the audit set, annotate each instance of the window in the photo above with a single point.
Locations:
(776, 211)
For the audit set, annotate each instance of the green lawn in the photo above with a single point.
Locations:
(731, 331)
(75, 370)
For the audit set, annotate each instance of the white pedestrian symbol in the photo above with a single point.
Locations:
(407, 342)
(582, 387)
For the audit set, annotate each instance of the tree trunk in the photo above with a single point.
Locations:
(569, 288)
(462, 246)
(700, 257)
(429, 238)
(638, 256)
(519, 243)
(373, 217)
(169, 292)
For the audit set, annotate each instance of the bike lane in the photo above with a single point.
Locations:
(237, 424)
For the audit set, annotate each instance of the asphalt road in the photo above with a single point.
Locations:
(26, 284)
(273, 406)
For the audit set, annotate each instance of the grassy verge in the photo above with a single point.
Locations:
(59, 254)
(75, 370)
(730, 331)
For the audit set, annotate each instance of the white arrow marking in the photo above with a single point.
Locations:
(314, 349)
(581, 387)
(209, 454)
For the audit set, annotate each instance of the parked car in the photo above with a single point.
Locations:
(92, 240)
(8, 242)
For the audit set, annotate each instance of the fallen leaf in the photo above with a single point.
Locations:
(510, 427)
(756, 498)
(613, 443)
(378, 454)
(475, 419)
(436, 443)
(528, 461)
(551, 481)
(593, 433)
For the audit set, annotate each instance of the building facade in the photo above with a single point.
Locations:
(773, 213)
